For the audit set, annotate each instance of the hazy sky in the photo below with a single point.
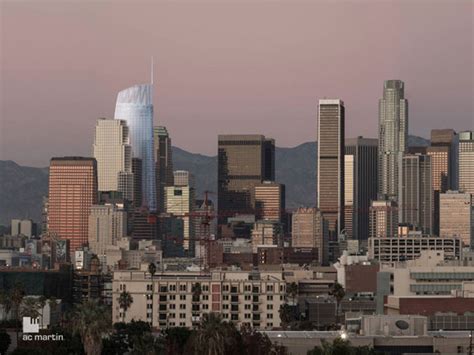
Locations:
(227, 67)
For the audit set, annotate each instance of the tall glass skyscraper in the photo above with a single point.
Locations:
(135, 106)
(393, 134)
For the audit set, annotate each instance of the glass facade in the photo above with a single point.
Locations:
(135, 106)
(393, 130)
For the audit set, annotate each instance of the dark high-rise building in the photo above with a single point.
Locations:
(360, 184)
(443, 167)
(163, 162)
(393, 133)
(72, 192)
(416, 192)
(466, 162)
(243, 162)
(330, 164)
(137, 182)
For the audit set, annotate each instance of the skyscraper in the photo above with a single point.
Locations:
(163, 162)
(457, 216)
(72, 192)
(383, 219)
(393, 132)
(180, 201)
(243, 162)
(416, 192)
(330, 164)
(107, 224)
(360, 184)
(466, 161)
(112, 152)
(308, 231)
(135, 107)
(137, 170)
(270, 201)
(443, 167)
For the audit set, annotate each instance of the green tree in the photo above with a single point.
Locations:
(91, 321)
(176, 340)
(125, 301)
(30, 307)
(5, 341)
(6, 303)
(292, 291)
(17, 294)
(42, 303)
(286, 315)
(257, 343)
(144, 344)
(337, 291)
(215, 337)
(152, 269)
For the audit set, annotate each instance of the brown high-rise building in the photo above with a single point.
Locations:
(72, 192)
(330, 164)
(270, 201)
(308, 231)
(443, 163)
(383, 219)
(243, 162)
(163, 163)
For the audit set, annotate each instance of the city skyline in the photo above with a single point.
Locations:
(222, 91)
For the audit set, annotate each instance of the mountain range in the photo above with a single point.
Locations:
(22, 188)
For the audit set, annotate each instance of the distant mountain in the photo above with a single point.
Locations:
(22, 188)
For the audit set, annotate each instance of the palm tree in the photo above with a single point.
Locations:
(292, 290)
(125, 301)
(42, 303)
(337, 291)
(30, 307)
(17, 294)
(152, 269)
(213, 335)
(6, 303)
(91, 321)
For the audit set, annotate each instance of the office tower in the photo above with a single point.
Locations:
(308, 231)
(330, 164)
(107, 224)
(442, 153)
(203, 226)
(44, 215)
(466, 162)
(180, 201)
(112, 152)
(72, 192)
(360, 183)
(183, 178)
(457, 216)
(135, 107)
(270, 201)
(24, 227)
(383, 219)
(144, 223)
(416, 192)
(393, 133)
(164, 164)
(137, 170)
(243, 162)
(266, 233)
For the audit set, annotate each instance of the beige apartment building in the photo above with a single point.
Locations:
(180, 299)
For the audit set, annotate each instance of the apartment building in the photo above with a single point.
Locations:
(181, 298)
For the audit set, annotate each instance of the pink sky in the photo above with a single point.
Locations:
(227, 67)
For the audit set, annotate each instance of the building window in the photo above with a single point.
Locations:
(149, 287)
(182, 297)
(182, 315)
(269, 288)
(172, 297)
(172, 306)
(182, 306)
(182, 288)
(269, 315)
(269, 298)
(225, 306)
(269, 306)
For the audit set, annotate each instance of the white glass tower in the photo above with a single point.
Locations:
(393, 131)
(135, 106)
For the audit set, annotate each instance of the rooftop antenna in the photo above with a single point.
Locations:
(151, 71)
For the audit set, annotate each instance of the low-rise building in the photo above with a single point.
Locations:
(388, 250)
